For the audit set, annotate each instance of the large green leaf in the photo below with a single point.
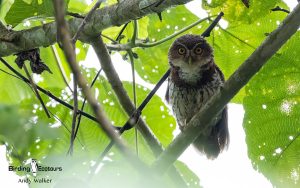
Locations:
(236, 11)
(153, 62)
(21, 10)
(272, 117)
(22, 135)
(190, 178)
(156, 111)
(13, 90)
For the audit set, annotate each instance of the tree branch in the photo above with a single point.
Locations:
(130, 45)
(60, 67)
(114, 15)
(104, 123)
(85, 20)
(48, 93)
(237, 80)
(35, 91)
(128, 106)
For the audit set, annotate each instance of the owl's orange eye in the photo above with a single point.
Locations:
(198, 51)
(181, 51)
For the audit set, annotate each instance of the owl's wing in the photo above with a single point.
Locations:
(167, 96)
(218, 140)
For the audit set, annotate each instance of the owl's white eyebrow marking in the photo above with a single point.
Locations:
(197, 45)
(181, 44)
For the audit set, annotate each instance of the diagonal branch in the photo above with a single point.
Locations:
(237, 80)
(36, 92)
(105, 125)
(128, 106)
(48, 93)
(114, 15)
(139, 43)
(85, 20)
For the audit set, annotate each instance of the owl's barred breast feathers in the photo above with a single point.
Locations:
(193, 80)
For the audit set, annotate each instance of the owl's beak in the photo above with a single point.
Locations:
(190, 60)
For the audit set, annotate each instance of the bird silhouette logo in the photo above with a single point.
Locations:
(34, 167)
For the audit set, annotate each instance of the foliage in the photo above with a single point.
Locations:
(270, 99)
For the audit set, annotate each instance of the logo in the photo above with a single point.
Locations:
(32, 167)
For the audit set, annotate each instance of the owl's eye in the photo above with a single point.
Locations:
(198, 51)
(181, 51)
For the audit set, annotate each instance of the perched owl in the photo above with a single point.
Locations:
(194, 78)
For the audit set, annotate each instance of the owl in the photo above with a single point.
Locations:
(194, 78)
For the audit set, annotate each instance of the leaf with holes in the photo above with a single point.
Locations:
(272, 117)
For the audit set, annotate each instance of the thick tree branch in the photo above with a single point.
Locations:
(127, 104)
(114, 15)
(86, 19)
(121, 93)
(238, 80)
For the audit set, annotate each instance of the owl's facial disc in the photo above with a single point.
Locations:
(190, 52)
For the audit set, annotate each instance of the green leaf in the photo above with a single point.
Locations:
(14, 90)
(272, 117)
(233, 45)
(54, 80)
(156, 111)
(22, 10)
(22, 134)
(153, 62)
(236, 11)
(190, 178)
(78, 6)
(113, 32)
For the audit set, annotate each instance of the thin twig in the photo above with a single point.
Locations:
(134, 91)
(118, 38)
(104, 122)
(36, 92)
(60, 67)
(231, 87)
(76, 15)
(49, 94)
(129, 46)
(128, 106)
(64, 125)
(207, 32)
(130, 53)
(107, 37)
(10, 74)
(102, 19)
(83, 105)
(237, 38)
(74, 117)
(74, 39)
(57, 118)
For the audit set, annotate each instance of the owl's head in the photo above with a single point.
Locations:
(189, 52)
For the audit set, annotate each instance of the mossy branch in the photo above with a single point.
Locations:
(114, 15)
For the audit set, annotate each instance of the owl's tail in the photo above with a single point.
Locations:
(217, 141)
